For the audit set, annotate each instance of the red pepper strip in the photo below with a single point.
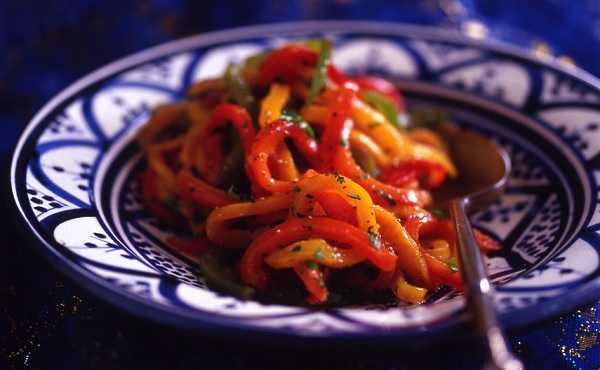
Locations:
(238, 116)
(336, 75)
(286, 64)
(444, 229)
(192, 189)
(338, 127)
(486, 243)
(429, 174)
(212, 143)
(214, 157)
(189, 247)
(413, 224)
(299, 229)
(314, 282)
(266, 144)
(345, 164)
(382, 86)
(389, 196)
(336, 206)
(441, 273)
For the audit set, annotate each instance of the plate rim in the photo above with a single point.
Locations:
(174, 316)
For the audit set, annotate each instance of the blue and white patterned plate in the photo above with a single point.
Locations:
(74, 177)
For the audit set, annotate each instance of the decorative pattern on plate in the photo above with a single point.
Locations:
(74, 177)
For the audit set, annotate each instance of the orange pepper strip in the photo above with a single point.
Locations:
(266, 144)
(216, 223)
(351, 192)
(314, 282)
(410, 258)
(252, 263)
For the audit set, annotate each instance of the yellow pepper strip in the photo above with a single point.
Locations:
(394, 143)
(364, 143)
(190, 155)
(410, 259)
(439, 248)
(317, 250)
(353, 193)
(161, 118)
(273, 103)
(407, 292)
(270, 110)
(422, 151)
(428, 137)
(221, 234)
(156, 160)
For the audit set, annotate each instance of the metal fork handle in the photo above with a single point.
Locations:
(479, 293)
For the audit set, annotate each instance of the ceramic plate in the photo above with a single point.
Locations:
(74, 177)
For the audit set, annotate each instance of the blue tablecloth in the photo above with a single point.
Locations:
(48, 322)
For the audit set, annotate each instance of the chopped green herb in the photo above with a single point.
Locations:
(384, 105)
(343, 142)
(339, 178)
(172, 201)
(318, 80)
(296, 189)
(319, 254)
(311, 264)
(353, 196)
(231, 191)
(296, 248)
(453, 264)
(294, 117)
(438, 212)
(374, 238)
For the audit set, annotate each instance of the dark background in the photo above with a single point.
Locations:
(48, 322)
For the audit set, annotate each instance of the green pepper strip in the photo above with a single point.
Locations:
(384, 105)
(221, 280)
(291, 116)
(318, 80)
